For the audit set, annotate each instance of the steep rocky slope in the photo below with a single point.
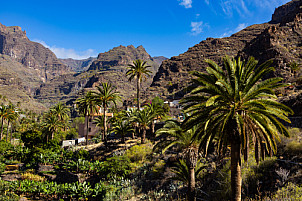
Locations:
(78, 65)
(110, 67)
(24, 65)
(279, 39)
(14, 43)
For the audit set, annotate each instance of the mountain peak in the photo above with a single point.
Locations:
(287, 12)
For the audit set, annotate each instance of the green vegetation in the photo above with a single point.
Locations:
(146, 155)
(234, 106)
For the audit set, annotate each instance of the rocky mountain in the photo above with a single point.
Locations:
(14, 43)
(110, 67)
(159, 60)
(279, 40)
(78, 65)
(24, 65)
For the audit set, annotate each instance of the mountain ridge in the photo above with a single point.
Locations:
(279, 40)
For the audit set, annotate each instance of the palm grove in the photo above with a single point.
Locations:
(230, 108)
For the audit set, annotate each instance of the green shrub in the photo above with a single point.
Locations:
(294, 132)
(293, 148)
(2, 167)
(116, 167)
(82, 154)
(32, 177)
(158, 168)
(139, 153)
(289, 192)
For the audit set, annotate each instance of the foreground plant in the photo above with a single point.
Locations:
(235, 106)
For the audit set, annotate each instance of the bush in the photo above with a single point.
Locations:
(2, 167)
(32, 177)
(139, 153)
(289, 192)
(116, 167)
(158, 168)
(293, 148)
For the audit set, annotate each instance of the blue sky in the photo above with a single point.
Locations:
(79, 29)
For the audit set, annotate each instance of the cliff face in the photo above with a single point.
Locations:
(110, 67)
(24, 65)
(279, 40)
(119, 56)
(14, 43)
(78, 65)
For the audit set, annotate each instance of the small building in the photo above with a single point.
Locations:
(93, 130)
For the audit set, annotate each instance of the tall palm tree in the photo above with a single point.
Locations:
(173, 135)
(87, 106)
(144, 119)
(234, 105)
(104, 96)
(138, 70)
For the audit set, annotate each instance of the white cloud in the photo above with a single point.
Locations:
(229, 7)
(269, 4)
(207, 2)
(186, 3)
(196, 28)
(238, 28)
(64, 53)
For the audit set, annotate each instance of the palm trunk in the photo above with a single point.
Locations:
(87, 129)
(143, 136)
(2, 124)
(7, 131)
(191, 189)
(138, 105)
(123, 139)
(105, 126)
(191, 160)
(46, 137)
(235, 170)
(153, 129)
(11, 134)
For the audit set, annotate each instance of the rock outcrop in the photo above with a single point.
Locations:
(110, 67)
(279, 40)
(78, 65)
(14, 43)
(119, 56)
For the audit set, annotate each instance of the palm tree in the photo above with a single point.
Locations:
(138, 70)
(87, 106)
(11, 115)
(99, 122)
(144, 119)
(183, 172)
(121, 127)
(62, 112)
(186, 142)
(52, 124)
(156, 107)
(105, 95)
(233, 106)
(130, 115)
(3, 115)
